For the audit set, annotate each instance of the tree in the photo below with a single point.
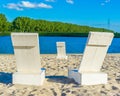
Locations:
(23, 24)
(4, 25)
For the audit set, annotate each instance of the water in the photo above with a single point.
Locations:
(48, 45)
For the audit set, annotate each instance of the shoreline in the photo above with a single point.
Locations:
(70, 54)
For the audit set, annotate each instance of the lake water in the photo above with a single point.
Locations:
(48, 45)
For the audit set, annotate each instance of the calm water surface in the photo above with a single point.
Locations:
(48, 45)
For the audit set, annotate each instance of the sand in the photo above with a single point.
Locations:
(56, 82)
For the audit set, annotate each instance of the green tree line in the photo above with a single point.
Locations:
(43, 27)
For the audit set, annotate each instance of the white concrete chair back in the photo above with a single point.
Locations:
(61, 50)
(95, 51)
(26, 50)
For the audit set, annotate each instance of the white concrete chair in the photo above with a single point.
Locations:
(26, 49)
(88, 72)
(61, 50)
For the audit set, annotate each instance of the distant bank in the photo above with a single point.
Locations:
(62, 34)
(46, 28)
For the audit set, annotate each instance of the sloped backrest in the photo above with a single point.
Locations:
(95, 51)
(61, 51)
(26, 49)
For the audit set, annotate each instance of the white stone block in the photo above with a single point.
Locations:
(94, 38)
(92, 78)
(95, 51)
(61, 50)
(36, 79)
(26, 50)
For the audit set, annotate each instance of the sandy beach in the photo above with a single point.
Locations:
(56, 82)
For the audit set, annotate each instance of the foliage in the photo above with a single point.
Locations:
(46, 28)
(117, 35)
(4, 25)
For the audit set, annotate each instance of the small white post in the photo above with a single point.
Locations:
(61, 50)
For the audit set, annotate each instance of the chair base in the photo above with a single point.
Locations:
(62, 57)
(29, 78)
(91, 78)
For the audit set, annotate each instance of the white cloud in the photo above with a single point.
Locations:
(26, 4)
(70, 1)
(105, 2)
(50, 0)
(43, 5)
(13, 6)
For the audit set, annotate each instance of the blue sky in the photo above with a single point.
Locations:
(97, 13)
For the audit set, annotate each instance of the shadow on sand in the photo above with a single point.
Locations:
(60, 79)
(5, 78)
